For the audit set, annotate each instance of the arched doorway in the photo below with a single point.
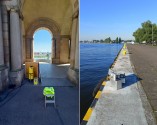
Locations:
(42, 45)
(53, 28)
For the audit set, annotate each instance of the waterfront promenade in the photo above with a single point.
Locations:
(144, 59)
(126, 106)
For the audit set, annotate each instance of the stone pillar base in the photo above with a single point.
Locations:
(16, 77)
(55, 61)
(64, 62)
(4, 81)
(73, 75)
(29, 60)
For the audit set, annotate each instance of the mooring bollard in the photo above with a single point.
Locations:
(124, 52)
(124, 46)
(122, 77)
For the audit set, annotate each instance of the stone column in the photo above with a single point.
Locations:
(73, 72)
(53, 48)
(17, 72)
(32, 51)
(73, 42)
(6, 44)
(56, 50)
(77, 59)
(1, 42)
(23, 50)
(16, 60)
(58, 47)
(29, 48)
(64, 49)
(22, 41)
(3, 63)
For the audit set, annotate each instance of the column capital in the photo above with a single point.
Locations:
(65, 36)
(14, 10)
(29, 38)
(53, 38)
(56, 37)
(75, 15)
(21, 15)
(17, 10)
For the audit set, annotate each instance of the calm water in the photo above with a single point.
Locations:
(95, 60)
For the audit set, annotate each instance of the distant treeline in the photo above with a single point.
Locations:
(147, 33)
(106, 40)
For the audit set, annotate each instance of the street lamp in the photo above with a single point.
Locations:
(152, 33)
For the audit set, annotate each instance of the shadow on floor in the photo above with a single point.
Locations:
(62, 82)
(131, 79)
(25, 106)
(53, 70)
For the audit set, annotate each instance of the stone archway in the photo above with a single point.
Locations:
(54, 29)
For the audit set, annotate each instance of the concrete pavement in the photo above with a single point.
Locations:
(123, 106)
(25, 105)
(54, 75)
(144, 59)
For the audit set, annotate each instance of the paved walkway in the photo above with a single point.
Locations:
(25, 105)
(53, 70)
(144, 58)
(54, 75)
(123, 106)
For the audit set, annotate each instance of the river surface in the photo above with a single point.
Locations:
(95, 60)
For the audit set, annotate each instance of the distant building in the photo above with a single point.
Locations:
(131, 42)
(143, 42)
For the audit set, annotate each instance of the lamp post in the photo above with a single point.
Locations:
(152, 34)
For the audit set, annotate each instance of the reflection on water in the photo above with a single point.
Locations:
(95, 60)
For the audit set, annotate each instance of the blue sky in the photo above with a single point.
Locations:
(42, 41)
(100, 19)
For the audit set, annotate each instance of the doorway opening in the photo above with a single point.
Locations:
(42, 45)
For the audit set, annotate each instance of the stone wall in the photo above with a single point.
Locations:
(18, 22)
(4, 80)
